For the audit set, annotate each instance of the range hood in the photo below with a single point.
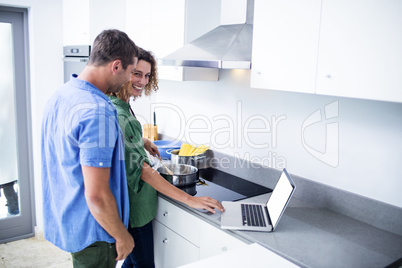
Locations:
(225, 47)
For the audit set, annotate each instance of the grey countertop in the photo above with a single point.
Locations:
(312, 236)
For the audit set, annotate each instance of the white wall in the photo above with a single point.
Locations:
(370, 144)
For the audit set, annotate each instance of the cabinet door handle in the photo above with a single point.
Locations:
(165, 214)
(165, 241)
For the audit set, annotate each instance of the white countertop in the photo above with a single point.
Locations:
(311, 236)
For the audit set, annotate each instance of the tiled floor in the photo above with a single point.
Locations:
(33, 252)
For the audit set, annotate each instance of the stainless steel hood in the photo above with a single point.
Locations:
(225, 47)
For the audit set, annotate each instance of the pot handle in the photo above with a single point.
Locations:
(196, 157)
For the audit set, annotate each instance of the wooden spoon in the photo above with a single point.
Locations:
(167, 169)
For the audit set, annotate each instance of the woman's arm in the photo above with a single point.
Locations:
(151, 147)
(151, 176)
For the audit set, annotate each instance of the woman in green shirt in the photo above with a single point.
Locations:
(143, 181)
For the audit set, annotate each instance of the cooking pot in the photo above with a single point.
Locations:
(183, 175)
(198, 161)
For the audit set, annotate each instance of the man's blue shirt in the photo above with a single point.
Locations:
(79, 127)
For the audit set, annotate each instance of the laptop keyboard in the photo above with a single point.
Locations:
(252, 215)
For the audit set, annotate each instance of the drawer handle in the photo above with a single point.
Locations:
(224, 249)
(165, 241)
(165, 214)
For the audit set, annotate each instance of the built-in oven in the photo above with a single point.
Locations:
(75, 59)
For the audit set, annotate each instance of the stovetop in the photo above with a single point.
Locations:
(223, 186)
(226, 187)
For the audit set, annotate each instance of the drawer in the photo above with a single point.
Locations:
(179, 220)
(171, 249)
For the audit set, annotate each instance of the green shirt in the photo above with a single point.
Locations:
(143, 198)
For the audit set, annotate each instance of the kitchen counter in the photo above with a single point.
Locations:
(313, 236)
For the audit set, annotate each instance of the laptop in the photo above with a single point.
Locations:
(258, 216)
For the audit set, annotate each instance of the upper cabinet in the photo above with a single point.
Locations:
(332, 47)
(360, 52)
(285, 44)
(156, 25)
(165, 26)
(83, 20)
(76, 23)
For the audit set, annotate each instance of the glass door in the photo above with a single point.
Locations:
(16, 198)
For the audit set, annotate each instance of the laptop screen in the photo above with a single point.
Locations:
(279, 197)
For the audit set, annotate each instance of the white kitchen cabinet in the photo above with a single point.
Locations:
(164, 26)
(285, 44)
(181, 238)
(76, 22)
(179, 221)
(330, 47)
(171, 249)
(156, 25)
(176, 235)
(214, 241)
(360, 52)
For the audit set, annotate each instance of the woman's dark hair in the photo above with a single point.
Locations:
(112, 45)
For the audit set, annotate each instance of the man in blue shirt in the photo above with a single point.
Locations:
(85, 195)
